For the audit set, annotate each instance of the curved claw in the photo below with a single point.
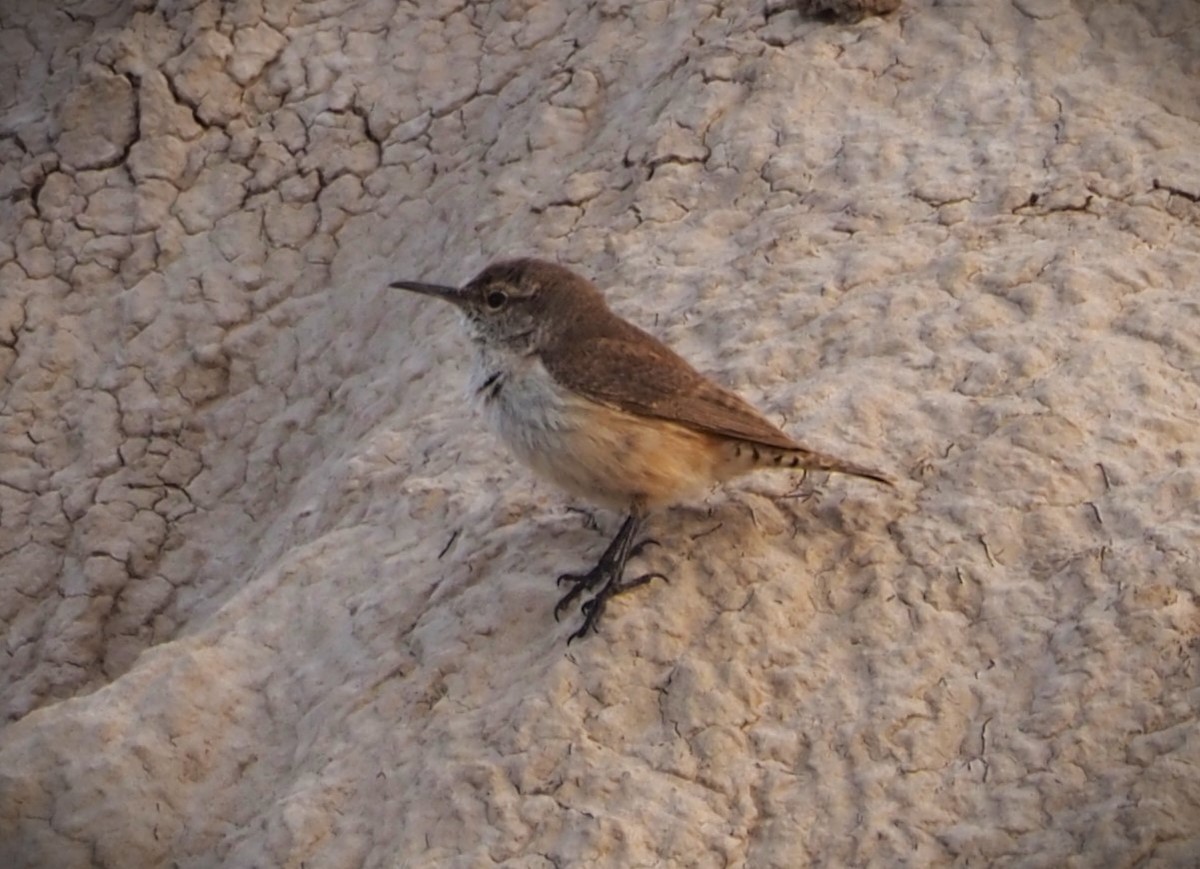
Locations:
(565, 601)
(641, 545)
(642, 580)
(591, 618)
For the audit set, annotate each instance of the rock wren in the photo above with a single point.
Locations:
(605, 410)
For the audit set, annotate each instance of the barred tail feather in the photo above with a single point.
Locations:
(748, 455)
(811, 460)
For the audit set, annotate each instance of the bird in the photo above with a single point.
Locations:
(605, 410)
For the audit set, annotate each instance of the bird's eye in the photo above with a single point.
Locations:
(496, 300)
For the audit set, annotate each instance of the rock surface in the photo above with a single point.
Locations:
(271, 596)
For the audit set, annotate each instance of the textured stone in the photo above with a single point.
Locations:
(97, 122)
(271, 596)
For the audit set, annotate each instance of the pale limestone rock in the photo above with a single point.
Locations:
(97, 122)
(270, 596)
(198, 75)
(218, 191)
(851, 11)
(271, 163)
(253, 48)
(163, 157)
(58, 199)
(111, 209)
(290, 224)
(35, 259)
(339, 145)
(153, 204)
(160, 114)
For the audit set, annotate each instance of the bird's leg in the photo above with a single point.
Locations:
(608, 570)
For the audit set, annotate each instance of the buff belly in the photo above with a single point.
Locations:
(606, 456)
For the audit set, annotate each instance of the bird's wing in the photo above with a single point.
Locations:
(631, 370)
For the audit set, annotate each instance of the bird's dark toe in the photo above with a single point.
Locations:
(639, 581)
(573, 578)
(639, 547)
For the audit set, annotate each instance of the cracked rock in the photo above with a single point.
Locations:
(98, 122)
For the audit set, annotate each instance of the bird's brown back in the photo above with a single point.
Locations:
(613, 362)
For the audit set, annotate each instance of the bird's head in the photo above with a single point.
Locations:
(520, 305)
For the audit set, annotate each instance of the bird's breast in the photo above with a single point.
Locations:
(522, 403)
(608, 456)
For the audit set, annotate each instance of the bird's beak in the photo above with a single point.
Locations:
(454, 295)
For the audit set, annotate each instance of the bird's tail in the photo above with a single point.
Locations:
(752, 455)
(814, 461)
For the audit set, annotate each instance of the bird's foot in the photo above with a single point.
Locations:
(607, 574)
(592, 609)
